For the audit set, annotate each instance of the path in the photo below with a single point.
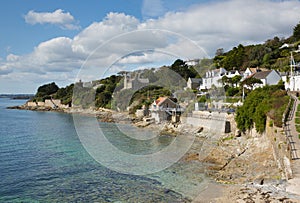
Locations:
(294, 183)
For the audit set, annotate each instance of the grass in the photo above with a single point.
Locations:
(298, 128)
(297, 120)
(298, 114)
(228, 138)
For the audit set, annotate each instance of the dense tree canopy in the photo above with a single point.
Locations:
(184, 70)
(45, 91)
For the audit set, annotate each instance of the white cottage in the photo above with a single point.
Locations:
(270, 77)
(163, 109)
(213, 78)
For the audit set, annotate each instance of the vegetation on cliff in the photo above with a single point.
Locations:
(262, 102)
(45, 91)
(266, 55)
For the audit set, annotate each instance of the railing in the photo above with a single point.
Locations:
(208, 117)
(169, 109)
(287, 117)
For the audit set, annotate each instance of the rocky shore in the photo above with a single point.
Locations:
(242, 168)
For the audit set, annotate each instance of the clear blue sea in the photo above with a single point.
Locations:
(42, 160)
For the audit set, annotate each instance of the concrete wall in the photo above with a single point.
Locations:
(160, 116)
(216, 122)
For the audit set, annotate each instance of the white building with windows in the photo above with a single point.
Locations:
(213, 78)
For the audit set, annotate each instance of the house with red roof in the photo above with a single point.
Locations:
(163, 108)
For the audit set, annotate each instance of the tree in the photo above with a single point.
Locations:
(45, 91)
(236, 79)
(183, 70)
(296, 33)
(65, 94)
(225, 80)
(251, 82)
(220, 52)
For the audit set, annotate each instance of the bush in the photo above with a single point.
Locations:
(231, 91)
(260, 103)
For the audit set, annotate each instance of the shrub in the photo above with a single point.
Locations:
(260, 103)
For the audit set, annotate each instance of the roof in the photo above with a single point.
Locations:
(253, 70)
(262, 75)
(217, 70)
(196, 80)
(161, 100)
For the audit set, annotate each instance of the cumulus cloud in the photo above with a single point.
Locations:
(63, 19)
(227, 23)
(191, 34)
(97, 33)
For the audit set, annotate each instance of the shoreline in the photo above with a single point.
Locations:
(260, 189)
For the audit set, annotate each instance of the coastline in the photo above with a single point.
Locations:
(230, 188)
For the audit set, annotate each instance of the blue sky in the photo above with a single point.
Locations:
(61, 41)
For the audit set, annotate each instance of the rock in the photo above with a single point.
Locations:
(192, 157)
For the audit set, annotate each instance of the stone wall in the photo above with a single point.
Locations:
(48, 103)
(31, 104)
(280, 148)
(55, 103)
(215, 122)
(41, 103)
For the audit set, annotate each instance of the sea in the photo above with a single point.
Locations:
(42, 159)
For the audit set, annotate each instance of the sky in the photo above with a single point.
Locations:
(64, 41)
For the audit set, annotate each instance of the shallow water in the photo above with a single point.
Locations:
(43, 160)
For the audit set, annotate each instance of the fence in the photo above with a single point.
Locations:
(287, 117)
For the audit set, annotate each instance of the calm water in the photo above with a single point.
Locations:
(42, 160)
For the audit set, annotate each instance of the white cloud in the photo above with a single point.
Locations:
(12, 58)
(63, 19)
(97, 33)
(4, 70)
(211, 26)
(227, 23)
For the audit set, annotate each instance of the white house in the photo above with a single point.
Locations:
(213, 78)
(251, 71)
(163, 109)
(270, 77)
(192, 62)
(232, 73)
(293, 82)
